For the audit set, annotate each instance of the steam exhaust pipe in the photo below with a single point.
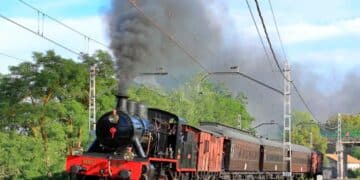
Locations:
(121, 104)
(139, 147)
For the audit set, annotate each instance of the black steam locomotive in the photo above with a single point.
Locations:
(136, 142)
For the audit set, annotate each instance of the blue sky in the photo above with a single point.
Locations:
(85, 16)
(60, 9)
(321, 34)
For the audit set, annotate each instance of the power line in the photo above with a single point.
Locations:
(325, 126)
(168, 35)
(277, 29)
(284, 54)
(304, 102)
(251, 79)
(257, 30)
(41, 35)
(63, 24)
(259, 35)
(187, 52)
(13, 57)
(268, 39)
(277, 62)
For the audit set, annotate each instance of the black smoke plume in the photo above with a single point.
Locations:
(207, 30)
(139, 47)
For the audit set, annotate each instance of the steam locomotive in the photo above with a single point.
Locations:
(135, 142)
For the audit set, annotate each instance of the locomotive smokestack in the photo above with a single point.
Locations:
(141, 111)
(121, 104)
(131, 107)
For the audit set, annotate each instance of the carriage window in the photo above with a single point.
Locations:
(206, 149)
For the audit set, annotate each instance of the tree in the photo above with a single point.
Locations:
(350, 125)
(356, 152)
(43, 110)
(349, 122)
(213, 103)
(305, 127)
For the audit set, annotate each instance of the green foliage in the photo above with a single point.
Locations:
(213, 103)
(356, 152)
(304, 128)
(350, 129)
(20, 156)
(350, 125)
(43, 112)
(354, 173)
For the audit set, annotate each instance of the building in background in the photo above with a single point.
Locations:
(352, 163)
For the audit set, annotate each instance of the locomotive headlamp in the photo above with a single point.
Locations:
(114, 117)
(77, 150)
(129, 155)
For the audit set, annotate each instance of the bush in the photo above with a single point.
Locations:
(354, 173)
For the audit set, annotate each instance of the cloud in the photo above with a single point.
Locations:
(343, 57)
(21, 43)
(59, 4)
(293, 33)
(305, 32)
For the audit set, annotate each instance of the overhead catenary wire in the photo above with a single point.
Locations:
(251, 79)
(260, 37)
(41, 35)
(12, 57)
(268, 40)
(42, 14)
(277, 30)
(278, 64)
(63, 24)
(284, 54)
(168, 35)
(325, 126)
(182, 47)
(304, 102)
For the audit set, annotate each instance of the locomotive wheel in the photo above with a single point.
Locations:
(163, 178)
(262, 177)
(144, 177)
(184, 176)
(81, 177)
(249, 177)
(237, 177)
(76, 177)
(196, 177)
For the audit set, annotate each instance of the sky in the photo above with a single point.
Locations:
(85, 16)
(321, 35)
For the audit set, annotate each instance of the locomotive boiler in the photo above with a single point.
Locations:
(125, 126)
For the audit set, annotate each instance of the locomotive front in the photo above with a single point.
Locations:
(118, 150)
(124, 127)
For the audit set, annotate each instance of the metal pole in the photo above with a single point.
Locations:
(287, 122)
(339, 150)
(92, 102)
